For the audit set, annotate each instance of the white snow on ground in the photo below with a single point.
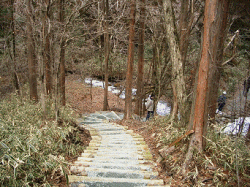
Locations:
(95, 83)
(162, 108)
(134, 91)
(122, 96)
(87, 80)
(233, 128)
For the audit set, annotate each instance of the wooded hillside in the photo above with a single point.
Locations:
(186, 51)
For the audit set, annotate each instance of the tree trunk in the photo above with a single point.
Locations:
(186, 21)
(46, 42)
(62, 59)
(248, 136)
(212, 35)
(15, 76)
(106, 52)
(129, 76)
(139, 93)
(31, 55)
(178, 83)
(154, 79)
(217, 37)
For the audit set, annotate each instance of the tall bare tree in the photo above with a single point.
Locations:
(178, 83)
(31, 54)
(46, 47)
(15, 76)
(106, 52)
(139, 93)
(186, 21)
(62, 57)
(130, 61)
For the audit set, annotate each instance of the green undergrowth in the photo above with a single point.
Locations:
(232, 154)
(225, 160)
(33, 151)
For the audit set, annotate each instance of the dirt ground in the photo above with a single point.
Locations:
(83, 99)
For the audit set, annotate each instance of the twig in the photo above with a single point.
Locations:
(232, 39)
(181, 137)
(230, 59)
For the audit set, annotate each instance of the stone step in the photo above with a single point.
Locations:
(115, 156)
(122, 173)
(91, 118)
(108, 155)
(111, 129)
(90, 152)
(132, 166)
(139, 148)
(117, 144)
(98, 116)
(93, 153)
(112, 182)
(111, 115)
(104, 159)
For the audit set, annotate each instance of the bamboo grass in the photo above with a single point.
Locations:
(31, 150)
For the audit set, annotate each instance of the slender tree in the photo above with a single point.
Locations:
(31, 54)
(178, 83)
(62, 58)
(46, 51)
(130, 61)
(106, 52)
(186, 21)
(15, 76)
(139, 93)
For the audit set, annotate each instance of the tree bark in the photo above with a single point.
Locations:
(62, 60)
(31, 55)
(130, 61)
(186, 21)
(210, 51)
(248, 136)
(15, 76)
(154, 80)
(139, 93)
(178, 83)
(106, 52)
(218, 33)
(46, 42)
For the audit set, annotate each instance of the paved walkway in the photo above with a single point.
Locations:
(116, 157)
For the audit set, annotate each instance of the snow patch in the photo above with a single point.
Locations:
(235, 127)
(162, 107)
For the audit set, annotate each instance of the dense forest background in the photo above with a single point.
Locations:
(71, 36)
(187, 52)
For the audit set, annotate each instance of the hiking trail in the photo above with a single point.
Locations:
(116, 157)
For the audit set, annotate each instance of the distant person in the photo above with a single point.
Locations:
(246, 87)
(150, 106)
(221, 101)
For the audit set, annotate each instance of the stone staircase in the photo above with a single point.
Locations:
(116, 157)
